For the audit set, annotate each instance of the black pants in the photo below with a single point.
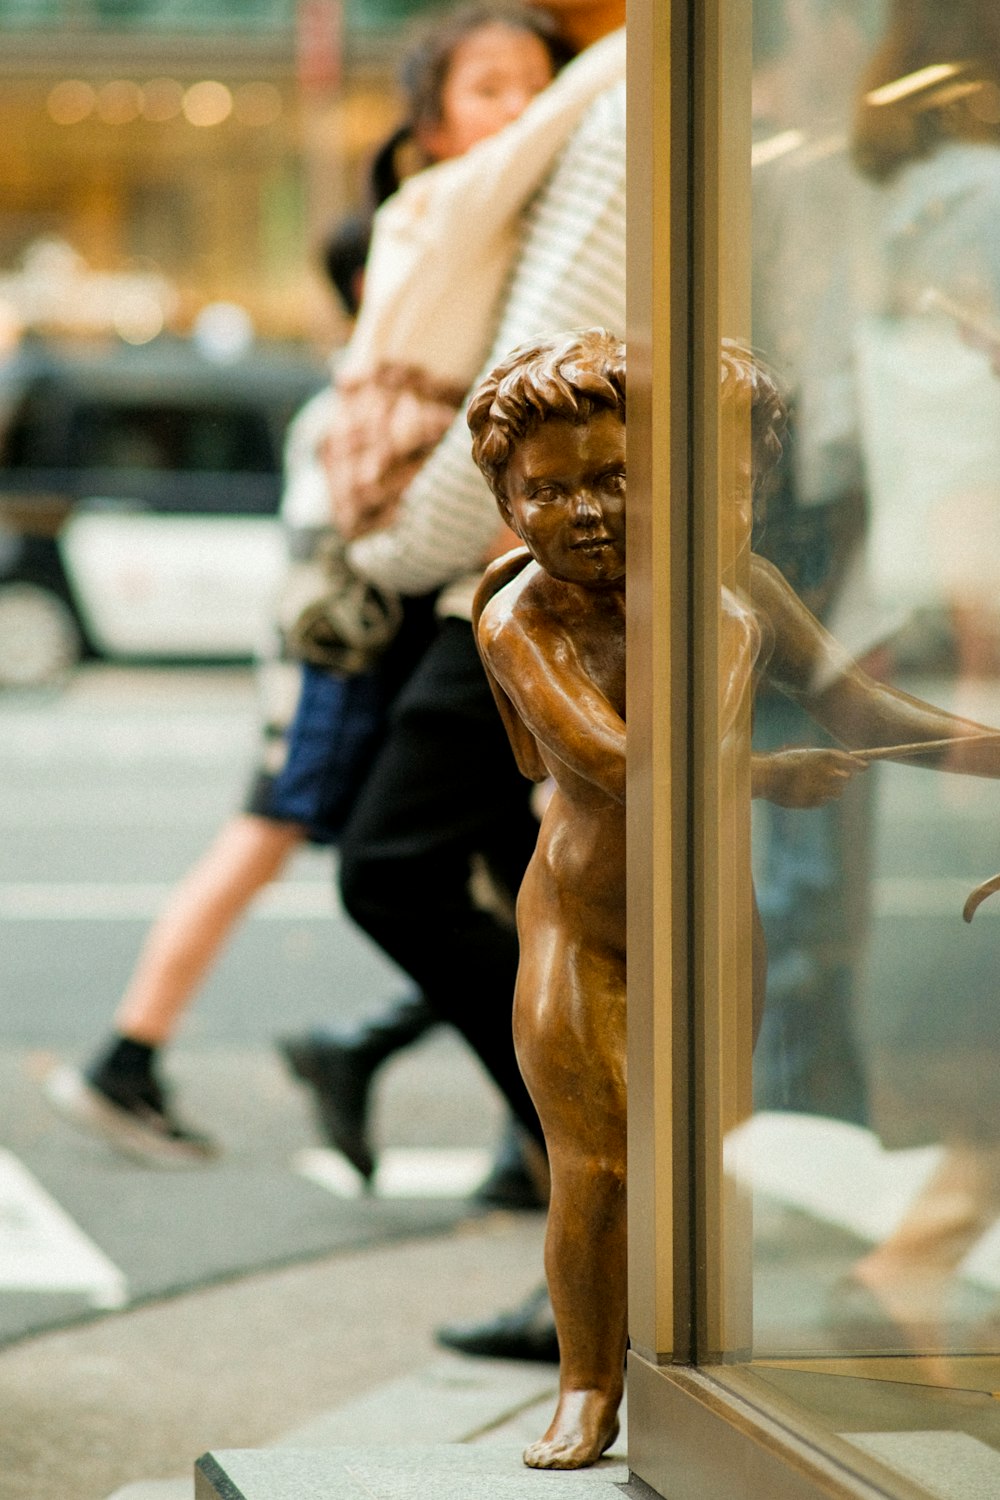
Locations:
(443, 788)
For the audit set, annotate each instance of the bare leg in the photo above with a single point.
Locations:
(585, 1261)
(246, 854)
(954, 1210)
(910, 1272)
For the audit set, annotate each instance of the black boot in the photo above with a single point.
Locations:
(526, 1332)
(339, 1069)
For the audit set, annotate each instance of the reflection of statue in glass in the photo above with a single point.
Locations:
(788, 645)
(798, 657)
(908, 1273)
(549, 434)
(811, 868)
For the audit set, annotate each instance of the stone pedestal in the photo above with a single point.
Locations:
(478, 1471)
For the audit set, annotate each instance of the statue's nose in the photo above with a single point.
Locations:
(585, 507)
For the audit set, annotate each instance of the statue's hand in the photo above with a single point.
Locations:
(803, 778)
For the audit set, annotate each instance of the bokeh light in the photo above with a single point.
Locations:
(138, 317)
(207, 103)
(71, 101)
(223, 331)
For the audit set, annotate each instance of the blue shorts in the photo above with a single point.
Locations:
(330, 744)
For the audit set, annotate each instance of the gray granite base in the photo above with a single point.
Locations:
(433, 1472)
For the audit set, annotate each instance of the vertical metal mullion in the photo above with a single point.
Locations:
(703, 336)
(658, 710)
(720, 792)
(683, 475)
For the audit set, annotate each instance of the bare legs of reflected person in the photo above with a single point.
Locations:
(911, 1272)
(247, 853)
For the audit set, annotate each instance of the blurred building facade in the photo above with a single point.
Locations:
(193, 151)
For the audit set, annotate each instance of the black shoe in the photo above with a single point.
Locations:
(526, 1332)
(133, 1117)
(340, 1081)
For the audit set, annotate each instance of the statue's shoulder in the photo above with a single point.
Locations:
(491, 615)
(500, 589)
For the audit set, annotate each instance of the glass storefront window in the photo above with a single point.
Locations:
(858, 575)
(839, 1238)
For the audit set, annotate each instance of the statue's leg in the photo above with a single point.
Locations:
(574, 1064)
(585, 1261)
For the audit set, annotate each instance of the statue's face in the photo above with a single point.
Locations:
(565, 486)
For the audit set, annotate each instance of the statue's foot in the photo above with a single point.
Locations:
(584, 1426)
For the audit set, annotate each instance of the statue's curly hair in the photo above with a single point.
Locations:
(746, 380)
(570, 376)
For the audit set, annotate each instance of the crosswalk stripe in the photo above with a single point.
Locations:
(402, 1172)
(110, 901)
(43, 1250)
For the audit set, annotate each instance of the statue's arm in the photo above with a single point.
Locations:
(809, 665)
(501, 573)
(570, 718)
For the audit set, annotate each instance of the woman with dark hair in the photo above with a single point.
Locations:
(471, 54)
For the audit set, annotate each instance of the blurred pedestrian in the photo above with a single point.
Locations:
(467, 78)
(120, 1094)
(530, 240)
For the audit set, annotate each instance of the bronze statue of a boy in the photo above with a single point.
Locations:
(548, 431)
(549, 434)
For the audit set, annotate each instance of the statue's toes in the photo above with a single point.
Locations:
(570, 1450)
(557, 1453)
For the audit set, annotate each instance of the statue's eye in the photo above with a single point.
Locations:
(544, 492)
(615, 481)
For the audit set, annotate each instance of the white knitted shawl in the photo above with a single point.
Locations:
(443, 246)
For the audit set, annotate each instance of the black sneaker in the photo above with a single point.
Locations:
(136, 1121)
(339, 1078)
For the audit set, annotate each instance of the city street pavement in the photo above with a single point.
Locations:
(107, 792)
(219, 1309)
(308, 1355)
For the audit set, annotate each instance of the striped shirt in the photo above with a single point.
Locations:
(570, 274)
